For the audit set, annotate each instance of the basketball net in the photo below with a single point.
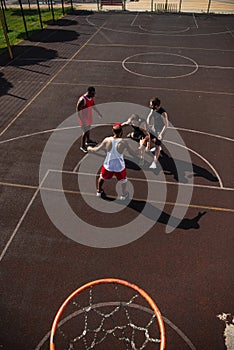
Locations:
(108, 314)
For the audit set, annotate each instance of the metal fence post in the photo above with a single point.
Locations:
(4, 16)
(39, 14)
(208, 8)
(62, 2)
(52, 10)
(5, 34)
(180, 5)
(25, 25)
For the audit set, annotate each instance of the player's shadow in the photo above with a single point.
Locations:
(179, 169)
(156, 214)
(132, 164)
(5, 85)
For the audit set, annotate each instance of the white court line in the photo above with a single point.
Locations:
(106, 37)
(39, 133)
(129, 59)
(145, 63)
(158, 34)
(72, 172)
(147, 180)
(203, 133)
(163, 31)
(188, 130)
(204, 159)
(134, 19)
(77, 126)
(46, 85)
(163, 47)
(126, 87)
(22, 218)
(114, 304)
(195, 21)
(230, 31)
(78, 164)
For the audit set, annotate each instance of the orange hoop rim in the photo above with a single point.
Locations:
(103, 281)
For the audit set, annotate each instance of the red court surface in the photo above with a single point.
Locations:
(184, 262)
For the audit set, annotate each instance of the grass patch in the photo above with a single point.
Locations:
(15, 23)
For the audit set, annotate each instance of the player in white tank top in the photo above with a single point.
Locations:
(114, 162)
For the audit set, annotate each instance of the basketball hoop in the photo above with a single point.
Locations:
(104, 314)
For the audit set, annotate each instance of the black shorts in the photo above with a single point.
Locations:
(155, 140)
(136, 136)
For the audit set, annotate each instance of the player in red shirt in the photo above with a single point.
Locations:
(84, 108)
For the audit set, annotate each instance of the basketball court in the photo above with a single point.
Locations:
(173, 237)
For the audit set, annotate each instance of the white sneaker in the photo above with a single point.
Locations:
(153, 166)
(154, 149)
(124, 196)
(100, 194)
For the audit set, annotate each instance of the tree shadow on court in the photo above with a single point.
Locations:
(28, 55)
(5, 85)
(83, 12)
(50, 35)
(153, 213)
(179, 169)
(64, 22)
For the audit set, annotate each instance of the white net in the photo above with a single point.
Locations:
(115, 323)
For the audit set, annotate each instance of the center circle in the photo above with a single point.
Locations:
(160, 65)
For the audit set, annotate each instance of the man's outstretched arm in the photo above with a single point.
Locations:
(98, 147)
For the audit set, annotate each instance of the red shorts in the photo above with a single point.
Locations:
(87, 121)
(107, 175)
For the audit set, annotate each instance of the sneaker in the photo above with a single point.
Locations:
(124, 196)
(84, 149)
(100, 194)
(153, 166)
(154, 149)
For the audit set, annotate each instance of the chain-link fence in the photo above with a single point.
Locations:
(46, 11)
(194, 6)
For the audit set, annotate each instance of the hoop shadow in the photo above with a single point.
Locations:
(179, 171)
